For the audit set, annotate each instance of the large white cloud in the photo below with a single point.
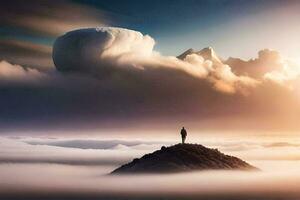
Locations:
(93, 49)
(123, 42)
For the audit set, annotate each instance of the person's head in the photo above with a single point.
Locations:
(183, 127)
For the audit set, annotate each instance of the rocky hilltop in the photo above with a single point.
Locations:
(183, 158)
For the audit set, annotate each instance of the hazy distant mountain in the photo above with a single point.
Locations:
(187, 52)
(207, 53)
(182, 158)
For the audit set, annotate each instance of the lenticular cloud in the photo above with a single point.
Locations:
(86, 49)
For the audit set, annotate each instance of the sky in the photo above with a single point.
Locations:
(84, 64)
(176, 26)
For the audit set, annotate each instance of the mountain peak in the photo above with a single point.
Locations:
(190, 50)
(208, 50)
(187, 52)
(183, 158)
(208, 53)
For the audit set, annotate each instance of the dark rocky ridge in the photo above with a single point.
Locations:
(183, 158)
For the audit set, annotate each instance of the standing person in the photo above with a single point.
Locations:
(183, 134)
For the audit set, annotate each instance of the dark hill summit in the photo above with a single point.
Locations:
(183, 158)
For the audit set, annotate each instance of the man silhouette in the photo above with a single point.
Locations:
(183, 134)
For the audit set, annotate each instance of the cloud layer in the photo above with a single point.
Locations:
(10, 74)
(103, 49)
(112, 75)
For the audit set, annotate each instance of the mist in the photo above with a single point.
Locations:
(36, 168)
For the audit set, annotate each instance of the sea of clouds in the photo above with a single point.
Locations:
(77, 167)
